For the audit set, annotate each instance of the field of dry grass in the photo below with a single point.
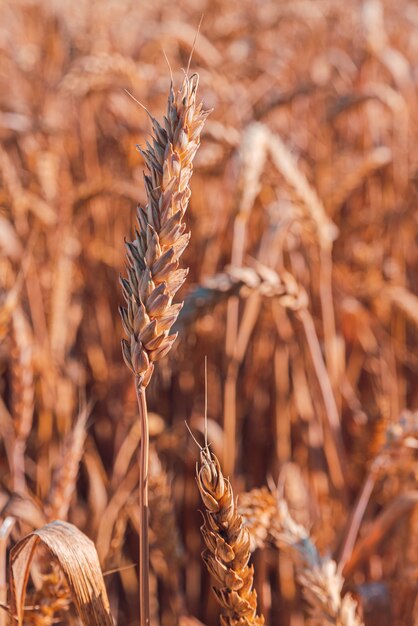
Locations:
(299, 505)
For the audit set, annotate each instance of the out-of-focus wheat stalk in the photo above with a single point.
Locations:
(251, 159)
(258, 508)
(259, 279)
(66, 475)
(400, 435)
(166, 548)
(327, 232)
(242, 282)
(153, 274)
(321, 582)
(23, 395)
(227, 546)
(269, 521)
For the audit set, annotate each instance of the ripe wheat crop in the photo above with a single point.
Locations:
(263, 260)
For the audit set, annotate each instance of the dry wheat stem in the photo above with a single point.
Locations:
(398, 434)
(65, 478)
(338, 463)
(251, 159)
(23, 395)
(153, 275)
(227, 546)
(143, 509)
(165, 542)
(401, 506)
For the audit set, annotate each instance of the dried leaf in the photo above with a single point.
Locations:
(77, 556)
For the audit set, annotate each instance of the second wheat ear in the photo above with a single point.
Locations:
(227, 542)
(153, 273)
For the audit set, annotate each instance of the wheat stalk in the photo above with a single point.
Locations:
(227, 546)
(166, 549)
(153, 274)
(65, 476)
(22, 394)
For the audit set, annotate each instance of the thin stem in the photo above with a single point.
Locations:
(380, 526)
(230, 418)
(355, 520)
(19, 481)
(328, 315)
(144, 608)
(331, 410)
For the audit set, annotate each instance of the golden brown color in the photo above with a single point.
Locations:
(228, 546)
(304, 185)
(153, 273)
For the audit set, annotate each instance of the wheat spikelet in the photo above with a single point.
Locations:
(153, 257)
(227, 546)
(258, 509)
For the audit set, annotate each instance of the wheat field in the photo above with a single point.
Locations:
(208, 313)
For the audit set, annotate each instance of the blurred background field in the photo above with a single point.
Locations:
(302, 289)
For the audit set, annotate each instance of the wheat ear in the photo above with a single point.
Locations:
(227, 546)
(153, 275)
(269, 521)
(153, 257)
(321, 581)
